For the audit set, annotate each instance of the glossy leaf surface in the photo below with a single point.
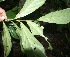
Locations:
(12, 31)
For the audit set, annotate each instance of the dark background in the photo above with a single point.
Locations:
(59, 35)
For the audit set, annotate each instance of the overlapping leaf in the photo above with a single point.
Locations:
(29, 7)
(12, 31)
(18, 33)
(17, 29)
(6, 40)
(31, 46)
(36, 29)
(59, 17)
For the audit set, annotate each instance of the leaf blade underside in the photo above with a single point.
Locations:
(58, 17)
(6, 38)
(29, 7)
(31, 46)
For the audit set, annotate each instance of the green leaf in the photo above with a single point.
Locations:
(31, 46)
(15, 8)
(13, 33)
(10, 14)
(58, 17)
(37, 30)
(29, 7)
(2, 0)
(17, 29)
(18, 33)
(6, 40)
